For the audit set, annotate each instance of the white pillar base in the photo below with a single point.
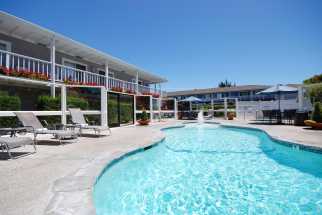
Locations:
(104, 115)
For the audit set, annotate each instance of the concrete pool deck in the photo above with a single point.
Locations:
(59, 179)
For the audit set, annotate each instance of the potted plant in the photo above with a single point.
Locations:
(316, 122)
(230, 115)
(144, 118)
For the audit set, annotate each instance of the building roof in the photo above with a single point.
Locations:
(22, 29)
(217, 90)
(223, 90)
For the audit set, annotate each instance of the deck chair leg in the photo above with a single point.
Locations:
(8, 150)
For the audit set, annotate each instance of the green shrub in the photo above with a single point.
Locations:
(9, 103)
(315, 93)
(317, 114)
(48, 103)
(75, 102)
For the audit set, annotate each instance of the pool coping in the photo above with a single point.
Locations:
(279, 140)
(73, 194)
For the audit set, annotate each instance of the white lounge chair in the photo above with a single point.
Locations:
(33, 125)
(78, 119)
(8, 143)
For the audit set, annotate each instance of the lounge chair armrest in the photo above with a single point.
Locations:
(30, 129)
(58, 126)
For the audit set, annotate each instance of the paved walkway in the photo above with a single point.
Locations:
(28, 184)
(296, 134)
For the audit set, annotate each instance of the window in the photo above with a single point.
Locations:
(5, 45)
(101, 72)
(74, 64)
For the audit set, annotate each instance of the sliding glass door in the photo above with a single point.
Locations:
(120, 109)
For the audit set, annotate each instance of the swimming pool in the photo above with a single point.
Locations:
(210, 169)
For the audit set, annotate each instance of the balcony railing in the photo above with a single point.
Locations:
(74, 76)
(145, 90)
(118, 85)
(22, 66)
(16, 65)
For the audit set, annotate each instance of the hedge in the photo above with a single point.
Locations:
(9, 103)
(48, 103)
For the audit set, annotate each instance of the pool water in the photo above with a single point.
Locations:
(210, 169)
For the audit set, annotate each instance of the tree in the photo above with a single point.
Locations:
(313, 80)
(317, 113)
(225, 83)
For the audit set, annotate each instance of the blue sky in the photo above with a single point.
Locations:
(194, 44)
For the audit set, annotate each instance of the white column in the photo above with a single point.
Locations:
(160, 89)
(175, 109)
(225, 107)
(212, 104)
(151, 108)
(134, 108)
(160, 102)
(300, 98)
(53, 67)
(137, 83)
(63, 105)
(104, 121)
(106, 75)
(236, 107)
(8, 60)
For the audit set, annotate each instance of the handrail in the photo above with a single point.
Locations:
(24, 56)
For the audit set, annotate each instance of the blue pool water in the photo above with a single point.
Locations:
(209, 169)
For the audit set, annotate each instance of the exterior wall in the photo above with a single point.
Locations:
(92, 67)
(26, 48)
(122, 75)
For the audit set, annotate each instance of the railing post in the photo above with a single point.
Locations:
(104, 119)
(106, 76)
(53, 66)
(63, 104)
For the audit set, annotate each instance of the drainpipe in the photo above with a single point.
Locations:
(53, 66)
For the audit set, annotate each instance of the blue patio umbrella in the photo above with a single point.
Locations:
(191, 99)
(278, 89)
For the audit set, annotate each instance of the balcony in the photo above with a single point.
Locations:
(20, 66)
